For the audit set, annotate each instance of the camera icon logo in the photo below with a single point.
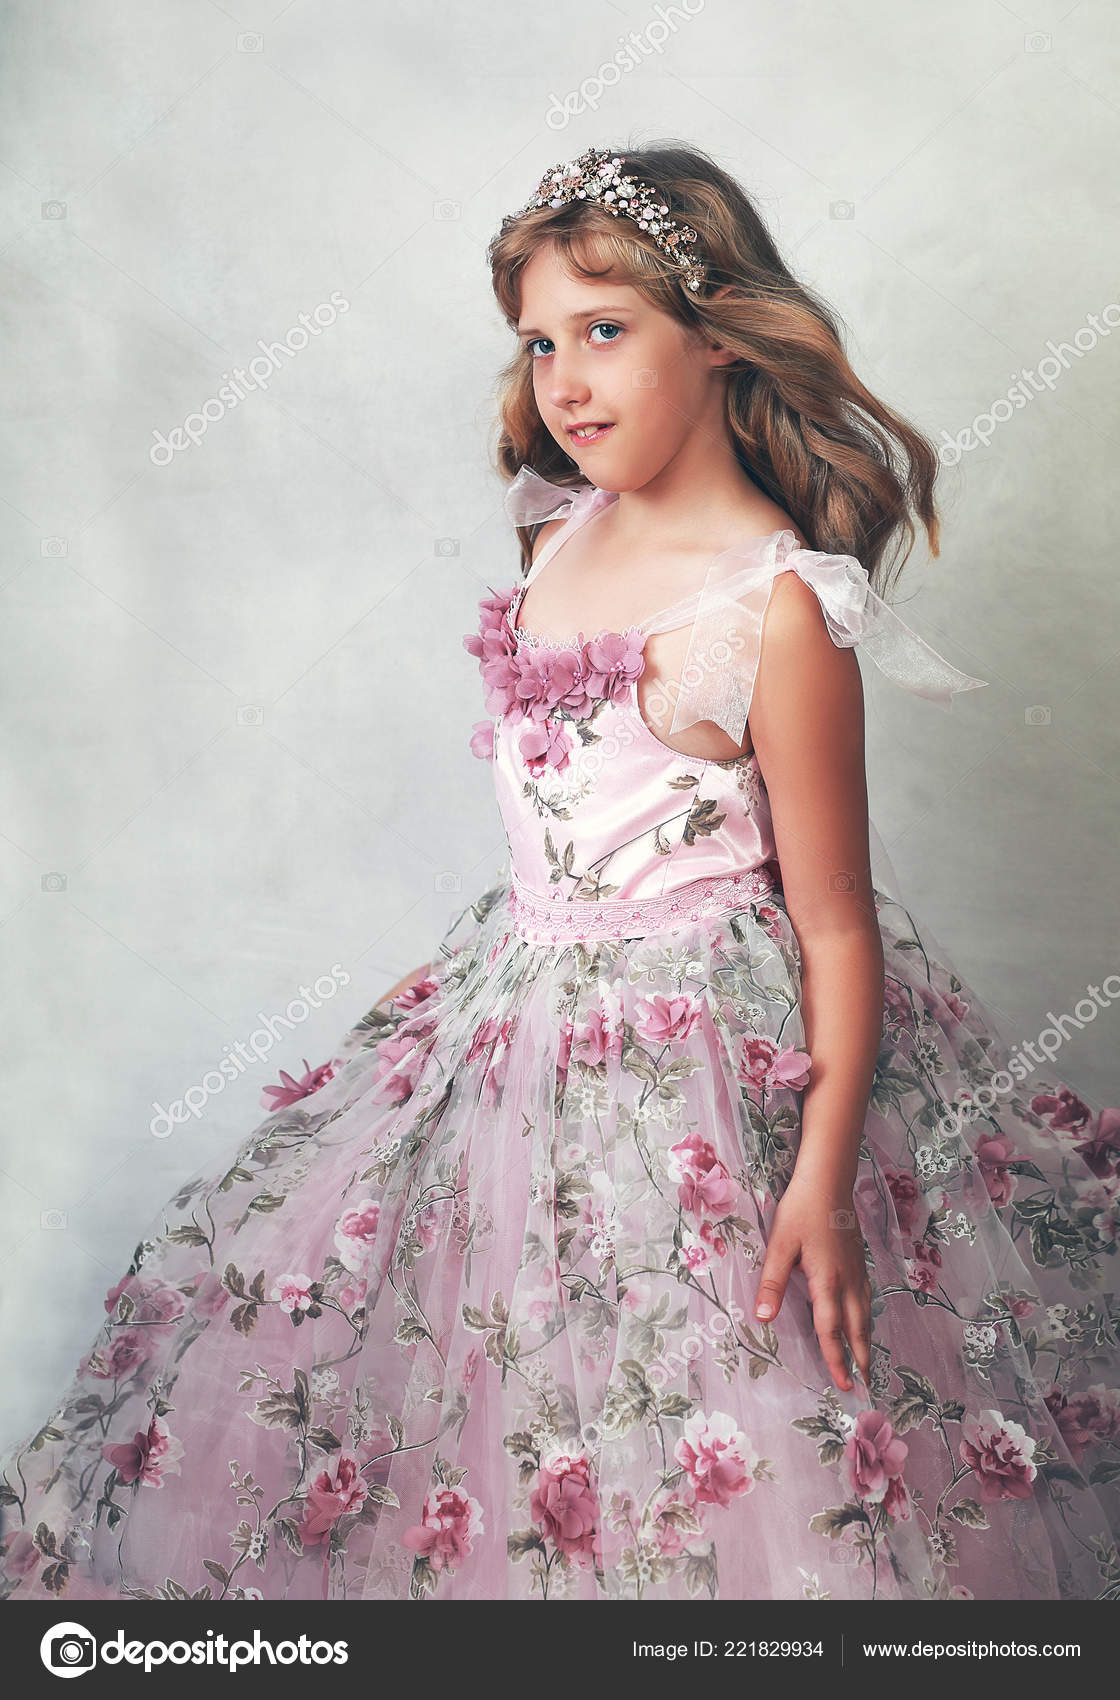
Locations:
(250, 714)
(447, 545)
(1038, 714)
(68, 1649)
(448, 882)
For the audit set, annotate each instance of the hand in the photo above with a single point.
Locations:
(817, 1228)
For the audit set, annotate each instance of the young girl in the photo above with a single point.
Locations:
(681, 1229)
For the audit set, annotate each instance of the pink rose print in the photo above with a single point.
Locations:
(490, 1040)
(21, 1555)
(762, 1064)
(564, 1506)
(1101, 1198)
(293, 1292)
(705, 1186)
(290, 1091)
(896, 1501)
(482, 740)
(663, 1021)
(545, 745)
(957, 1005)
(874, 1456)
(613, 662)
(921, 1269)
(148, 1457)
(354, 1234)
(597, 1038)
(694, 1253)
(126, 1351)
(564, 1051)
(999, 1453)
(451, 1521)
(1066, 1112)
(906, 1195)
(418, 993)
(713, 1239)
(770, 919)
(717, 1457)
(994, 1154)
(1085, 1419)
(333, 1493)
(790, 1068)
(399, 1061)
(154, 1302)
(1102, 1151)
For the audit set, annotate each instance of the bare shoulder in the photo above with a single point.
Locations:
(795, 622)
(808, 688)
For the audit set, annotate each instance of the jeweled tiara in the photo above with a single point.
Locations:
(598, 176)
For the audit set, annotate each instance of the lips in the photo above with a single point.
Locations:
(596, 431)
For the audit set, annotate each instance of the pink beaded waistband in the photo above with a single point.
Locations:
(557, 920)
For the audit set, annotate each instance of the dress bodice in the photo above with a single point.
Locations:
(594, 805)
(596, 808)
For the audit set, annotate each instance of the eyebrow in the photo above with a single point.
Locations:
(574, 318)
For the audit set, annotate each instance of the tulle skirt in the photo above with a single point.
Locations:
(472, 1315)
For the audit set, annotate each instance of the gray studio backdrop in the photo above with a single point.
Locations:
(236, 701)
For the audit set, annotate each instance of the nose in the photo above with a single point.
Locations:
(567, 385)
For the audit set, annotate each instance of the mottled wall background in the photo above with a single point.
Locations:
(236, 704)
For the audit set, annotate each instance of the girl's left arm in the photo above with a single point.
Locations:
(807, 728)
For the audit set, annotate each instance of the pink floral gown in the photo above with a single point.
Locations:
(470, 1314)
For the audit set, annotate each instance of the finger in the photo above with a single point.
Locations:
(857, 1322)
(828, 1322)
(780, 1259)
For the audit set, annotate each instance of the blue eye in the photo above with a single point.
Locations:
(601, 324)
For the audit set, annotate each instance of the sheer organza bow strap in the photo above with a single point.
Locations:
(727, 613)
(529, 498)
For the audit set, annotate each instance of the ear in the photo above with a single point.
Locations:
(718, 355)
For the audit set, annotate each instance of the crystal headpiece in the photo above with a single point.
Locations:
(598, 176)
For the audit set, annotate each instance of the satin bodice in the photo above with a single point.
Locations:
(623, 816)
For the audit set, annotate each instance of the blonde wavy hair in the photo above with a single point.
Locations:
(851, 472)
